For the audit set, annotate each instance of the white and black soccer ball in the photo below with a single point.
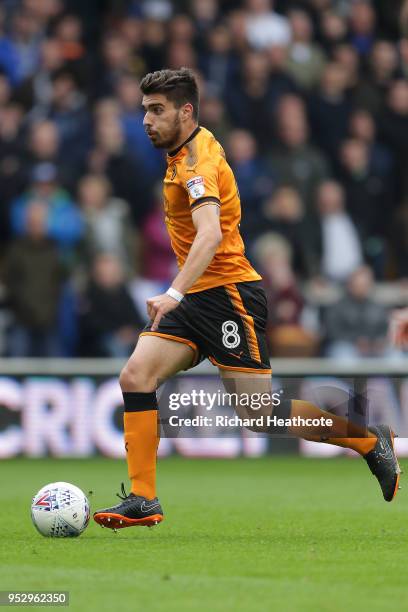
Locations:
(60, 510)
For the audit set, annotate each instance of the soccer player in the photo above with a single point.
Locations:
(214, 308)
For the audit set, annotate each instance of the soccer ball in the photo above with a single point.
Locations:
(60, 510)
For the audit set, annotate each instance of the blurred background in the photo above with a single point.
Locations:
(309, 99)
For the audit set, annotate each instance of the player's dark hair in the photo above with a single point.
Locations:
(179, 86)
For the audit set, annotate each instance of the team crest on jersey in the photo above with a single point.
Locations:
(173, 172)
(196, 187)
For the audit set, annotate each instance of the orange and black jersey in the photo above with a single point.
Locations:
(198, 174)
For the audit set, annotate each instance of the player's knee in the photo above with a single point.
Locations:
(137, 377)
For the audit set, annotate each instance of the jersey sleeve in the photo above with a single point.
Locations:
(201, 184)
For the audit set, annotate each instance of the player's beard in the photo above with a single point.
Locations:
(171, 140)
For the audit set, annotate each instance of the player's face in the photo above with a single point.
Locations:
(161, 121)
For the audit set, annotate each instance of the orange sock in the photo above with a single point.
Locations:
(141, 441)
(342, 433)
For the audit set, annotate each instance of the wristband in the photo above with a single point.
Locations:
(174, 294)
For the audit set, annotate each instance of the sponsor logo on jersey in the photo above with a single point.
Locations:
(196, 187)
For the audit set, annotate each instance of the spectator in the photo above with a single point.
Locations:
(106, 110)
(33, 278)
(217, 62)
(181, 54)
(281, 82)
(110, 156)
(394, 132)
(37, 89)
(42, 12)
(131, 115)
(68, 33)
(371, 92)
(286, 335)
(283, 213)
(367, 200)
(294, 160)
(356, 326)
(107, 222)
(362, 127)
(248, 99)
(338, 243)
(69, 112)
(330, 110)
(154, 45)
(45, 147)
(214, 116)
(347, 57)
(19, 51)
(362, 26)
(64, 221)
(181, 29)
(254, 181)
(110, 323)
(204, 13)
(264, 27)
(333, 30)
(132, 29)
(44, 142)
(237, 25)
(116, 60)
(158, 258)
(306, 59)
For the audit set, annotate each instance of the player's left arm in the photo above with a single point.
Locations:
(206, 220)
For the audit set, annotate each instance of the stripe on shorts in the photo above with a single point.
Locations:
(247, 320)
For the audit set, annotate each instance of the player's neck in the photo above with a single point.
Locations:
(187, 134)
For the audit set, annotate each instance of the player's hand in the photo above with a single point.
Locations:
(398, 331)
(158, 306)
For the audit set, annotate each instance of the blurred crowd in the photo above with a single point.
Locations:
(310, 101)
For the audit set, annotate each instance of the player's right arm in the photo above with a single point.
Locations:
(209, 235)
(206, 220)
(202, 190)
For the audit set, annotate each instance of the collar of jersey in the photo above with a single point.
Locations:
(192, 135)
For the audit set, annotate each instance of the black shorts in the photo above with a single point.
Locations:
(226, 324)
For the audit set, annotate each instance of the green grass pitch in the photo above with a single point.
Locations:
(277, 533)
